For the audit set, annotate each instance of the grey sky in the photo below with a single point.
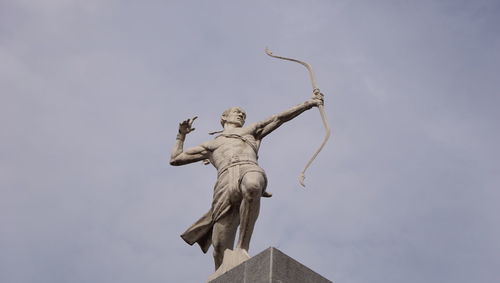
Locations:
(92, 93)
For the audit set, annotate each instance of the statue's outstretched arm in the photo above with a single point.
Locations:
(265, 127)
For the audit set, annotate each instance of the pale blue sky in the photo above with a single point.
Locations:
(92, 93)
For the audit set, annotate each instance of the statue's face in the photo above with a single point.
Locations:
(236, 116)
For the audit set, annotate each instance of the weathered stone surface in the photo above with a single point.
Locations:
(271, 266)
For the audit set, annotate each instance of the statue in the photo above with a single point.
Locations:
(240, 181)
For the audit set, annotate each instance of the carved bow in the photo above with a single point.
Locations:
(321, 111)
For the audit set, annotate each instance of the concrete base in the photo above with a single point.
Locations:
(270, 266)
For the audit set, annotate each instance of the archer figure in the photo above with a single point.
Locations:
(240, 181)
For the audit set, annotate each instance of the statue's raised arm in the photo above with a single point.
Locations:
(180, 156)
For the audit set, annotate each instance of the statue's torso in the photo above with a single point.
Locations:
(236, 143)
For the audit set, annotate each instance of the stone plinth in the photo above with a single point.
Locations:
(270, 266)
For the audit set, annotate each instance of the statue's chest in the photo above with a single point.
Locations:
(234, 142)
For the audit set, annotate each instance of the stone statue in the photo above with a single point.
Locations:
(240, 181)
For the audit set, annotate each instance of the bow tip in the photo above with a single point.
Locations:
(302, 177)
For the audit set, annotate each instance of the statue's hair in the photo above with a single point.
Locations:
(226, 112)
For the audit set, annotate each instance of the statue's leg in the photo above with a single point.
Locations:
(252, 186)
(224, 233)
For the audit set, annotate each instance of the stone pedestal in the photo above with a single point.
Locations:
(270, 266)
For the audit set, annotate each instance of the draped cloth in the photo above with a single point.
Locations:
(227, 193)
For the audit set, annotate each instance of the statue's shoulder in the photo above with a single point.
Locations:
(249, 130)
(209, 145)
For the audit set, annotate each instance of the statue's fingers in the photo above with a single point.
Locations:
(192, 120)
(318, 95)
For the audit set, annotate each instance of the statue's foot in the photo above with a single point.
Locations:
(266, 194)
(232, 258)
(241, 253)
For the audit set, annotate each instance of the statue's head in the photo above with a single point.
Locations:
(233, 115)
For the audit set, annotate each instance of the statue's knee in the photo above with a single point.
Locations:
(252, 192)
(253, 185)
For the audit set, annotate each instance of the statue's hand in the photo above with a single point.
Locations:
(185, 127)
(318, 98)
